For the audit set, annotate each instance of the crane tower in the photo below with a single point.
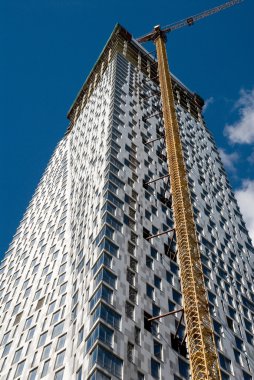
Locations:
(202, 349)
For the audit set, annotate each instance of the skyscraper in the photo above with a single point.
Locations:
(95, 255)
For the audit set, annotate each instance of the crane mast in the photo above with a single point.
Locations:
(202, 349)
(204, 361)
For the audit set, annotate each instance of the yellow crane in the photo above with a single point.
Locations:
(204, 362)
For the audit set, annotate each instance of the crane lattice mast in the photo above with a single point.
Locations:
(201, 343)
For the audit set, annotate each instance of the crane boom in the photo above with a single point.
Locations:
(188, 21)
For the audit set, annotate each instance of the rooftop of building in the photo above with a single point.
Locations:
(121, 40)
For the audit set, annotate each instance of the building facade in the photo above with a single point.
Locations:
(95, 254)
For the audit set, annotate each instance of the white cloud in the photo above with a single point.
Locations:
(229, 159)
(208, 102)
(245, 198)
(242, 131)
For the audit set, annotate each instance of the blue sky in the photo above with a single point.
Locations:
(48, 47)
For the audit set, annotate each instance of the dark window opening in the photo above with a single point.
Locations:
(179, 346)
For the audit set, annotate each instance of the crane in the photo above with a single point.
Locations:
(204, 363)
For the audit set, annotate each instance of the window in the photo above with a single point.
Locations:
(60, 279)
(174, 268)
(150, 291)
(32, 374)
(108, 277)
(157, 349)
(154, 253)
(137, 335)
(102, 333)
(169, 277)
(59, 375)
(57, 330)
(55, 317)
(103, 292)
(19, 369)
(80, 335)
(79, 374)
(246, 376)
(183, 368)
(51, 307)
(59, 359)
(249, 337)
(5, 338)
(156, 310)
(109, 246)
(16, 309)
(224, 376)
(148, 215)
(30, 333)
(113, 222)
(239, 343)
(108, 315)
(130, 276)
(155, 369)
(42, 339)
(6, 350)
(28, 323)
(151, 326)
(63, 298)
(17, 356)
(107, 360)
(63, 288)
(46, 351)
(133, 294)
(104, 259)
(141, 376)
(61, 342)
(218, 328)
(149, 262)
(45, 368)
(98, 375)
(177, 297)
(130, 352)
(225, 363)
(129, 310)
(157, 282)
(133, 264)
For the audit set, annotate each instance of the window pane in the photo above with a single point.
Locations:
(58, 329)
(19, 368)
(59, 375)
(155, 369)
(79, 374)
(46, 351)
(59, 359)
(6, 349)
(61, 342)
(45, 368)
(42, 340)
(32, 374)
(107, 360)
(17, 356)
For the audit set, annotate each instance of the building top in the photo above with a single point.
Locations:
(121, 41)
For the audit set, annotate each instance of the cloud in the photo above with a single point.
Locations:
(242, 131)
(208, 102)
(245, 198)
(229, 159)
